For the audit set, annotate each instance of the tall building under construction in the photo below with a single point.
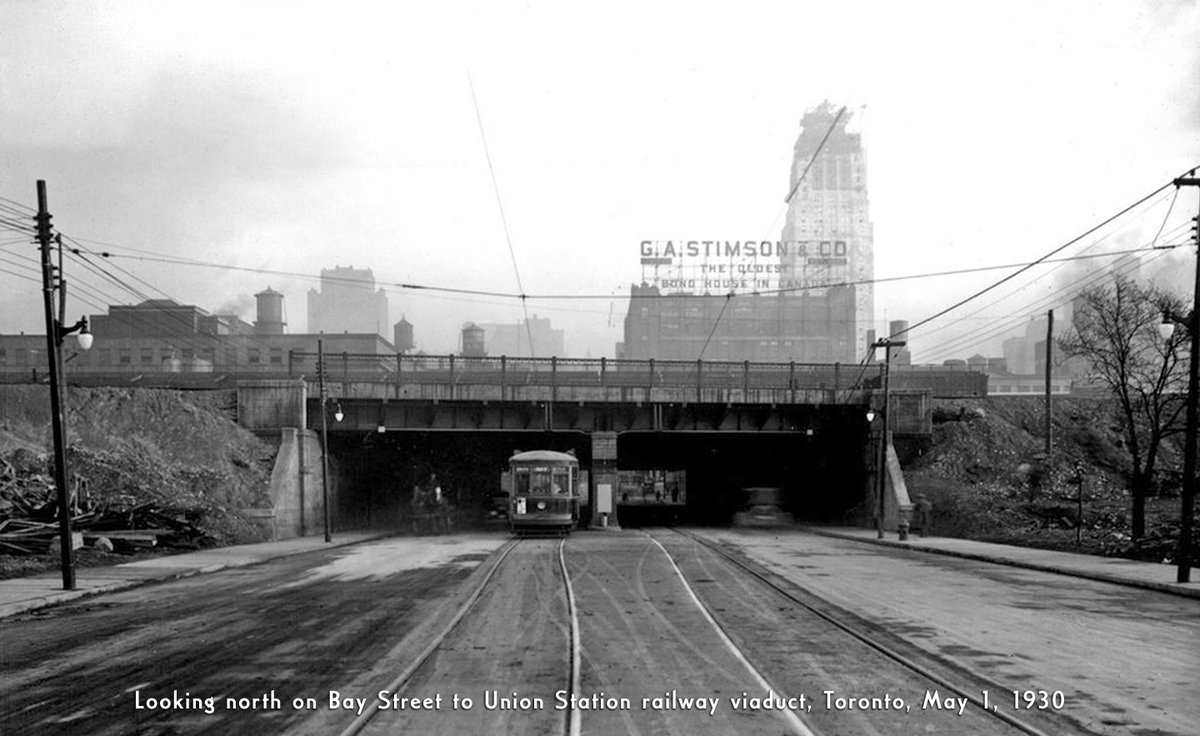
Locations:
(813, 302)
(829, 222)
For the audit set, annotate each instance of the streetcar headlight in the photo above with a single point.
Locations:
(541, 505)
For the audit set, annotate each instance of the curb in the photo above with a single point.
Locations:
(66, 596)
(1172, 588)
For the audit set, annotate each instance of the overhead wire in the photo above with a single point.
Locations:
(1152, 246)
(1049, 254)
(181, 333)
(1064, 295)
(427, 289)
(787, 201)
(1080, 255)
(455, 292)
(179, 337)
(503, 219)
(1122, 266)
(36, 280)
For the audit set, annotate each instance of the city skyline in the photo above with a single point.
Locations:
(220, 145)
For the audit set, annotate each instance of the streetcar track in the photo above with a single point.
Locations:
(793, 720)
(571, 726)
(768, 579)
(573, 717)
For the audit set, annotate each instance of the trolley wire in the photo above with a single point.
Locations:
(503, 219)
(787, 202)
(1061, 263)
(1049, 254)
(1061, 295)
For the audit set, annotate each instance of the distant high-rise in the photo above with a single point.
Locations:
(828, 221)
(348, 302)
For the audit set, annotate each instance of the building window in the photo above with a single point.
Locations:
(124, 357)
(252, 356)
(276, 356)
(231, 356)
(147, 356)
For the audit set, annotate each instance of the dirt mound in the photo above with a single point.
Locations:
(989, 478)
(140, 448)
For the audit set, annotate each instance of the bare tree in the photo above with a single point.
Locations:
(1115, 329)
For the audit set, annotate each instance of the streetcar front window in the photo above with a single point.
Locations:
(540, 481)
(521, 486)
(561, 480)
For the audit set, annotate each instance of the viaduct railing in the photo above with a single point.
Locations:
(568, 379)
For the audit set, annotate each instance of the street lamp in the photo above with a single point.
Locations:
(56, 333)
(887, 344)
(1188, 493)
(325, 438)
(880, 465)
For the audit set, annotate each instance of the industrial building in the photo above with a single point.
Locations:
(163, 336)
(777, 327)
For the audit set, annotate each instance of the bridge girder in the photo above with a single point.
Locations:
(368, 415)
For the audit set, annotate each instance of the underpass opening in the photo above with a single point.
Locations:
(378, 472)
(819, 469)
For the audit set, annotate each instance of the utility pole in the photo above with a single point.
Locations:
(54, 361)
(324, 438)
(1049, 360)
(887, 344)
(1187, 497)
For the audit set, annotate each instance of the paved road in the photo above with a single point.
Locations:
(298, 627)
(1124, 658)
(349, 620)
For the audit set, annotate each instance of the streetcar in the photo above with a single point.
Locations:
(542, 493)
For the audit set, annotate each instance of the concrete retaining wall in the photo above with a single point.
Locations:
(296, 485)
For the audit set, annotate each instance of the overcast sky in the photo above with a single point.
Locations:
(291, 137)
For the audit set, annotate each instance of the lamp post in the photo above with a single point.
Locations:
(55, 334)
(871, 414)
(887, 345)
(1187, 493)
(324, 438)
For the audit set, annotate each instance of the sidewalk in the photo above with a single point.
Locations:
(24, 594)
(1149, 575)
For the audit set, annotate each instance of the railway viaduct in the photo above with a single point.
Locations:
(803, 426)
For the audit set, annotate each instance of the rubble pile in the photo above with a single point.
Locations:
(149, 469)
(29, 514)
(988, 477)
